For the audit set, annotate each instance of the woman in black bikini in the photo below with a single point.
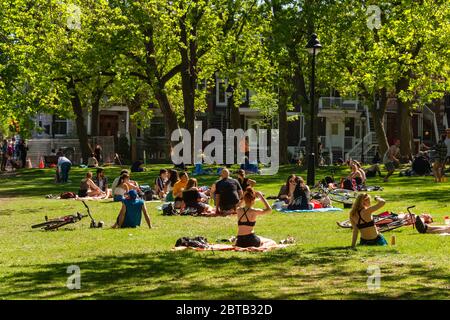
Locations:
(362, 221)
(247, 220)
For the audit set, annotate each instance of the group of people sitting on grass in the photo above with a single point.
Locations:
(235, 196)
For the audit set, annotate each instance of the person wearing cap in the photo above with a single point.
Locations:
(130, 215)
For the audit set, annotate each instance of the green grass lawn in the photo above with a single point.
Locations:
(139, 264)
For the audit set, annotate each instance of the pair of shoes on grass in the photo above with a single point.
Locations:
(288, 240)
(420, 225)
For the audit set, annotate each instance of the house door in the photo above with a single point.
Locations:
(336, 132)
(109, 125)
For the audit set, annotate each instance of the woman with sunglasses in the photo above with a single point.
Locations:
(362, 221)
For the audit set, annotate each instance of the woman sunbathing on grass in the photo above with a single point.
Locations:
(362, 221)
(424, 227)
(88, 188)
(247, 220)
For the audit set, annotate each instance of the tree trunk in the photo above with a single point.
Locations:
(283, 126)
(95, 117)
(169, 114)
(79, 119)
(404, 114)
(133, 147)
(378, 119)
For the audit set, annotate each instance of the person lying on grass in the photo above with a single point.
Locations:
(130, 215)
(247, 219)
(362, 221)
(89, 189)
(424, 227)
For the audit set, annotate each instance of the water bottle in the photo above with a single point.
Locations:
(393, 240)
(447, 220)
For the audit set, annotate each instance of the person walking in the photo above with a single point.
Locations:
(4, 150)
(441, 157)
(390, 159)
(23, 151)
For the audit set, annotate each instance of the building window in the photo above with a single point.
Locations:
(60, 126)
(157, 129)
(221, 87)
(334, 129)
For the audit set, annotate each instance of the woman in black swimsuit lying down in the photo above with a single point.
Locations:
(247, 220)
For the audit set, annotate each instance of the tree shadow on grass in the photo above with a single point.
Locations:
(222, 275)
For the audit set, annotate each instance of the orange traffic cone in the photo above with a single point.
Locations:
(41, 164)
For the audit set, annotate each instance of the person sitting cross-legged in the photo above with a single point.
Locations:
(130, 215)
(228, 193)
(247, 219)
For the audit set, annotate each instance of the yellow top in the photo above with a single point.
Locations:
(178, 188)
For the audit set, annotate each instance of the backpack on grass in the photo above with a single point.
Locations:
(169, 210)
(68, 195)
(197, 242)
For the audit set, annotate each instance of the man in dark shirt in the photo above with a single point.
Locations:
(228, 193)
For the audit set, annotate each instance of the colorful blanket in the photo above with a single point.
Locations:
(313, 210)
(229, 247)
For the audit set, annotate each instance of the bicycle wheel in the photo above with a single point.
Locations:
(47, 223)
(340, 198)
(348, 193)
(57, 225)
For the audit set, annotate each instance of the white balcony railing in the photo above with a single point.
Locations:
(338, 103)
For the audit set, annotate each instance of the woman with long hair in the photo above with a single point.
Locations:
(362, 221)
(192, 198)
(123, 186)
(247, 219)
(301, 199)
(287, 190)
(357, 173)
(173, 179)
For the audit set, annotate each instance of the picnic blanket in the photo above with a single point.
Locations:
(229, 247)
(313, 210)
(57, 197)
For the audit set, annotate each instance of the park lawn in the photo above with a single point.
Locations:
(138, 263)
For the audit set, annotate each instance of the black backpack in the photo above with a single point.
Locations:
(169, 210)
(197, 242)
(148, 195)
(349, 184)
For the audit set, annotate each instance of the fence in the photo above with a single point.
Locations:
(38, 148)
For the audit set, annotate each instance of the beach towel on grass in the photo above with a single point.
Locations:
(229, 247)
(313, 210)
